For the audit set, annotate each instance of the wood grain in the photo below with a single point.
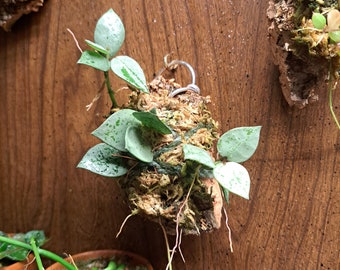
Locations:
(292, 219)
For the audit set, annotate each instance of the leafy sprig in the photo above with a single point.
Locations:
(109, 35)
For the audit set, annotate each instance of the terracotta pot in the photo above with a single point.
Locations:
(29, 264)
(128, 258)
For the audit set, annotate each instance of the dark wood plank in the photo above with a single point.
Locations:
(292, 219)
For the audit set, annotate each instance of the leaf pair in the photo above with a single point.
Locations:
(237, 145)
(109, 36)
(333, 23)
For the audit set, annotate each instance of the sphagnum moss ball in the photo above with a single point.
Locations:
(170, 190)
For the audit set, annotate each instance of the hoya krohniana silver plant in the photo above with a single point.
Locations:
(162, 148)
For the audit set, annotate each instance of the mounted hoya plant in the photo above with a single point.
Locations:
(163, 147)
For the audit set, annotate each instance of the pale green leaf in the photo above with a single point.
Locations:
(137, 145)
(233, 177)
(198, 154)
(38, 235)
(318, 20)
(96, 46)
(130, 71)
(113, 130)
(110, 32)
(239, 144)
(95, 60)
(102, 159)
(335, 36)
(333, 21)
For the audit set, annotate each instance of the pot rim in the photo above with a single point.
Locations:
(104, 253)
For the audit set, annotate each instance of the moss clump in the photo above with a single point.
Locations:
(170, 190)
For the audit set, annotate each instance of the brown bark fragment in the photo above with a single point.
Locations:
(12, 10)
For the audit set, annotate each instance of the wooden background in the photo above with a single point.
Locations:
(292, 219)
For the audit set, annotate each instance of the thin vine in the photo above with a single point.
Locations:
(331, 89)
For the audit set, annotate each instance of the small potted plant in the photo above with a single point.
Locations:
(163, 147)
(14, 257)
(20, 246)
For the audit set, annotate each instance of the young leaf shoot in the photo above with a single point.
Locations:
(109, 32)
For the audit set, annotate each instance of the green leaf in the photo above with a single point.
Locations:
(335, 36)
(239, 144)
(113, 130)
(233, 177)
(152, 121)
(130, 71)
(110, 32)
(333, 21)
(16, 253)
(96, 46)
(137, 146)
(100, 159)
(39, 237)
(197, 154)
(95, 60)
(318, 20)
(226, 194)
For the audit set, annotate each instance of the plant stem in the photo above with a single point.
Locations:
(168, 251)
(56, 258)
(111, 266)
(40, 251)
(330, 90)
(134, 212)
(110, 91)
(36, 254)
(331, 107)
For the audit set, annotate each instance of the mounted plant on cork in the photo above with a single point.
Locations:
(306, 37)
(163, 147)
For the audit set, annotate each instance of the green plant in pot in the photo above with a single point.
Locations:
(14, 257)
(163, 147)
(18, 247)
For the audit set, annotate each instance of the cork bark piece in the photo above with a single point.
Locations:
(12, 10)
(301, 73)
